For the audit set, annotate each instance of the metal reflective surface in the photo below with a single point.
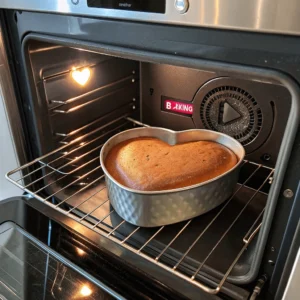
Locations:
(276, 16)
(157, 208)
(292, 289)
(10, 103)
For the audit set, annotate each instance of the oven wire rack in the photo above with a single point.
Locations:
(53, 165)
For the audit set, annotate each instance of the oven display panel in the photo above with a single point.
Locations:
(150, 6)
(177, 106)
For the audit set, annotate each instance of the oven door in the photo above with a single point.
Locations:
(43, 257)
(31, 270)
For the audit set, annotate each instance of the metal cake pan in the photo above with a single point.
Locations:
(158, 208)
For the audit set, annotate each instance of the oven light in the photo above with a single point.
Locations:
(80, 252)
(81, 76)
(85, 291)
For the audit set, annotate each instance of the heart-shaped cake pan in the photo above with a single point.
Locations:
(157, 208)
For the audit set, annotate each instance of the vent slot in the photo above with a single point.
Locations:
(233, 111)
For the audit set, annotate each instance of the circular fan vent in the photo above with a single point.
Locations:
(233, 111)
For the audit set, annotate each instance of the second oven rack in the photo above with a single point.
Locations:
(69, 179)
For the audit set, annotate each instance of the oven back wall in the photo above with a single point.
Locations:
(254, 113)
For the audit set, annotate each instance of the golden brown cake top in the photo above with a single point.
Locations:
(150, 164)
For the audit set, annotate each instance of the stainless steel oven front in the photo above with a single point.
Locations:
(83, 71)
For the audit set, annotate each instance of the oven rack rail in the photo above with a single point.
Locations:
(46, 165)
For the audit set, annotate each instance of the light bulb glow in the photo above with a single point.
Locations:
(81, 76)
(85, 291)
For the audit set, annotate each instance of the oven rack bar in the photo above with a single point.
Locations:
(77, 158)
(100, 224)
(79, 146)
(100, 120)
(46, 77)
(89, 102)
(128, 79)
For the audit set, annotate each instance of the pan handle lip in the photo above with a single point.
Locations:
(187, 188)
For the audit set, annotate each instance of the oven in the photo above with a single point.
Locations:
(81, 71)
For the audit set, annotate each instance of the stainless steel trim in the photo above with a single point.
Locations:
(292, 288)
(11, 106)
(275, 16)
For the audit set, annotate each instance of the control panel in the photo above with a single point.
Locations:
(150, 6)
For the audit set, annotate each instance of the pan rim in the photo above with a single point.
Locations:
(170, 191)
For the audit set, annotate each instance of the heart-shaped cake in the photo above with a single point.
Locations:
(150, 164)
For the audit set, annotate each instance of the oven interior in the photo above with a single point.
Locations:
(81, 98)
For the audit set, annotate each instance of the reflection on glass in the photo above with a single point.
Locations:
(33, 273)
(85, 291)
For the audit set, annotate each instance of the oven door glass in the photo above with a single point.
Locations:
(29, 271)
